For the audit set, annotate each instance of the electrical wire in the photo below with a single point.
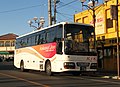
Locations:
(70, 6)
(66, 17)
(64, 14)
(67, 4)
(22, 8)
(34, 7)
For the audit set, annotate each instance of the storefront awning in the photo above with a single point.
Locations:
(4, 52)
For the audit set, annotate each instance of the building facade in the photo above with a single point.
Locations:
(7, 45)
(106, 33)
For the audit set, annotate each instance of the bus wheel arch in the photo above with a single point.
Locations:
(48, 68)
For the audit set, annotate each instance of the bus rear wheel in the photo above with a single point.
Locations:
(48, 68)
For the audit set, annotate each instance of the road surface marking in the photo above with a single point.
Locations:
(96, 80)
(35, 83)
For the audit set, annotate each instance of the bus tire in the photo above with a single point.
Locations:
(48, 68)
(22, 67)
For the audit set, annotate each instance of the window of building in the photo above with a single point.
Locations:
(1, 43)
(108, 52)
(98, 38)
(13, 43)
(7, 43)
(109, 23)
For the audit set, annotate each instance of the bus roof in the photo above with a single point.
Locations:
(35, 31)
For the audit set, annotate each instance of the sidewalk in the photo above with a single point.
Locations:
(110, 75)
(101, 74)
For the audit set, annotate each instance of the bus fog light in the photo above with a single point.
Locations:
(69, 65)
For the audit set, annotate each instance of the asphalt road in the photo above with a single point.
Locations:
(11, 77)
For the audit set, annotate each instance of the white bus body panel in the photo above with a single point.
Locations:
(31, 61)
(58, 63)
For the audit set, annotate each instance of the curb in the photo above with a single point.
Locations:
(111, 77)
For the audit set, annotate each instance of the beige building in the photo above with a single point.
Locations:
(7, 45)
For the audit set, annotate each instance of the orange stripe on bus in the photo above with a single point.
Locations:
(27, 50)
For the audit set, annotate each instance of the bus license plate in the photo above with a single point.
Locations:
(82, 68)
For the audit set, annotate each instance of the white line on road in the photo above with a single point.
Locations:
(35, 83)
(96, 80)
(118, 83)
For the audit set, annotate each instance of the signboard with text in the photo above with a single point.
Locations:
(99, 24)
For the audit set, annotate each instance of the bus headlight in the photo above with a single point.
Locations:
(69, 65)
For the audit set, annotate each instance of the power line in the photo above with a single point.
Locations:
(67, 4)
(22, 8)
(34, 7)
(64, 13)
(70, 6)
(66, 17)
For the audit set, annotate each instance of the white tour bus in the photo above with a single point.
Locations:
(63, 47)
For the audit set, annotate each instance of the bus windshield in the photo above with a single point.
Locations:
(77, 38)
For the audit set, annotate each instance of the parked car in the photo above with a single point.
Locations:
(9, 59)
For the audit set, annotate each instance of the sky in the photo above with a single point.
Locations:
(15, 14)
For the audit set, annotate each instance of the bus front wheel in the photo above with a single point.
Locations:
(48, 68)
(22, 66)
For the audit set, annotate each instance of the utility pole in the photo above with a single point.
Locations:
(94, 20)
(117, 30)
(55, 11)
(91, 6)
(49, 12)
(114, 14)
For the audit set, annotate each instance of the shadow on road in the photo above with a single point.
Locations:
(6, 65)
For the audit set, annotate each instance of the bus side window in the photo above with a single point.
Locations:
(59, 47)
(37, 39)
(42, 38)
